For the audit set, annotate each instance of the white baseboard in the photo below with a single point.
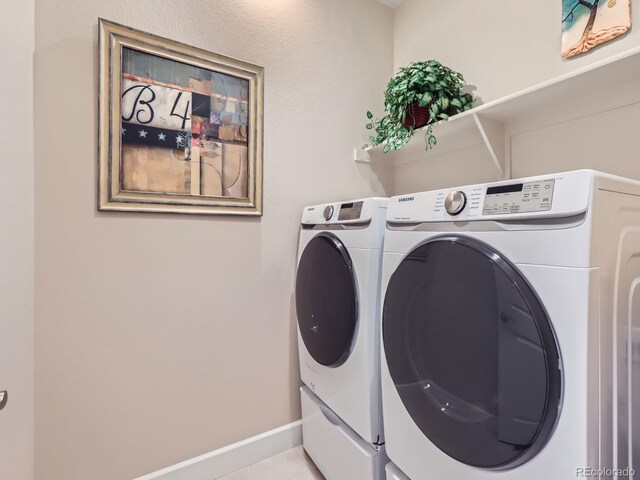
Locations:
(228, 459)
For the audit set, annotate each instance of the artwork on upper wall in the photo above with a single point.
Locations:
(586, 24)
(180, 128)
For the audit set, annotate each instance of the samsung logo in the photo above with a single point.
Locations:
(406, 199)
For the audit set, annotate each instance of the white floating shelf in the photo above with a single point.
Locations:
(485, 124)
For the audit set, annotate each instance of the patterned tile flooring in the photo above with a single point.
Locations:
(293, 464)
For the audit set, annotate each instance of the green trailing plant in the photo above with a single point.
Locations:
(421, 94)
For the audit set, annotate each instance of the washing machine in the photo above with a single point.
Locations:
(510, 329)
(338, 311)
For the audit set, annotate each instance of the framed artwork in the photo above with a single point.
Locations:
(180, 128)
(587, 24)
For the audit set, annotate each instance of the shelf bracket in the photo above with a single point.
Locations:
(361, 156)
(493, 134)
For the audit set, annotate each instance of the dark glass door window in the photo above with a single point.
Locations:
(326, 300)
(472, 353)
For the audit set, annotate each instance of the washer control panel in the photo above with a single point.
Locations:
(350, 211)
(360, 212)
(536, 196)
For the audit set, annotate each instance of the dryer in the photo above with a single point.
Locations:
(510, 329)
(338, 310)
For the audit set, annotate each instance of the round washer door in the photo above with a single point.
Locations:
(472, 353)
(326, 300)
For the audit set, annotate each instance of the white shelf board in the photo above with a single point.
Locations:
(462, 130)
(457, 133)
(609, 74)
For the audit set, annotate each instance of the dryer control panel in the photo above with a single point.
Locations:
(558, 195)
(519, 198)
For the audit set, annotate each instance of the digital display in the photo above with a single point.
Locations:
(350, 211)
(536, 196)
(516, 187)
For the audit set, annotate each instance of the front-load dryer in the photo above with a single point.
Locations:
(338, 309)
(510, 329)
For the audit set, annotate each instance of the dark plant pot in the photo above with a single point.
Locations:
(418, 117)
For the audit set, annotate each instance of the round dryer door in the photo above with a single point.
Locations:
(326, 300)
(472, 353)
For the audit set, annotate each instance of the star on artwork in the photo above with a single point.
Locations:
(124, 131)
(180, 140)
(161, 136)
(143, 134)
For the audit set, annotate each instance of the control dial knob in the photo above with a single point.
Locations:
(328, 212)
(455, 202)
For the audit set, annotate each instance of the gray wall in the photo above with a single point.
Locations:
(16, 239)
(161, 337)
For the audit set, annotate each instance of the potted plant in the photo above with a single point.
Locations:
(419, 95)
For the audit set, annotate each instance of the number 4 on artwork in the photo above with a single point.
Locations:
(184, 117)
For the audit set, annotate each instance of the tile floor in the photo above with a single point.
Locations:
(293, 464)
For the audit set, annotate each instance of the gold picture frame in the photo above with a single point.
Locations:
(180, 128)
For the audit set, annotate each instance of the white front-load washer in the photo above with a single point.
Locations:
(510, 329)
(338, 310)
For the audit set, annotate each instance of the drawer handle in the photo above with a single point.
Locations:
(329, 415)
